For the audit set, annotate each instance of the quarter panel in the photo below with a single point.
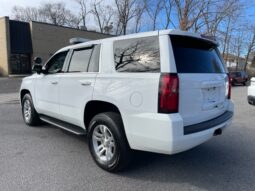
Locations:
(132, 93)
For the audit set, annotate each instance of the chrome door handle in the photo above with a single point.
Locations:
(54, 82)
(85, 83)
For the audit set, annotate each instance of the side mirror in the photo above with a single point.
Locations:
(37, 68)
(37, 60)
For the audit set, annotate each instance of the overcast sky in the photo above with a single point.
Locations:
(6, 5)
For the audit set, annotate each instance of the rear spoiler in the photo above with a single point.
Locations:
(210, 38)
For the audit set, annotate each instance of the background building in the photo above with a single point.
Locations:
(20, 42)
(234, 62)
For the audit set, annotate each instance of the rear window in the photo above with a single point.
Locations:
(235, 74)
(137, 55)
(194, 55)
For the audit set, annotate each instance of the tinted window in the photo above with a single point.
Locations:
(194, 55)
(56, 63)
(233, 74)
(94, 61)
(80, 60)
(244, 74)
(137, 55)
(238, 74)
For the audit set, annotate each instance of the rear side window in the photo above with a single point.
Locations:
(194, 55)
(137, 55)
(80, 60)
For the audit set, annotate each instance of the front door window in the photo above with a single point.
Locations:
(56, 63)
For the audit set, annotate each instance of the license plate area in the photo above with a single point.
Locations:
(211, 98)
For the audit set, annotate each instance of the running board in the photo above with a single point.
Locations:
(63, 125)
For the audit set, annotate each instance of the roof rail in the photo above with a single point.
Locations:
(78, 40)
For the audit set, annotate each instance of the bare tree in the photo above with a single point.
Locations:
(103, 14)
(167, 11)
(72, 21)
(226, 38)
(26, 14)
(53, 13)
(253, 62)
(83, 11)
(153, 8)
(238, 46)
(126, 11)
(217, 12)
(138, 18)
(250, 46)
(189, 11)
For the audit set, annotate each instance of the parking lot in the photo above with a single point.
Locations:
(47, 158)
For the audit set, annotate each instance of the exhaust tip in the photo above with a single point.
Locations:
(217, 132)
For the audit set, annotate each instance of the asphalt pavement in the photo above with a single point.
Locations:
(10, 85)
(47, 158)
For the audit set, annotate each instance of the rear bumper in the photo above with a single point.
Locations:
(162, 133)
(251, 100)
(194, 139)
(208, 124)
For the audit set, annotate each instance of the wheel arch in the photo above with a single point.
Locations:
(95, 107)
(23, 92)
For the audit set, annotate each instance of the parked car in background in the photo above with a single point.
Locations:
(238, 78)
(163, 91)
(251, 92)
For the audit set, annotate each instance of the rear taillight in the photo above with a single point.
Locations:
(168, 98)
(229, 87)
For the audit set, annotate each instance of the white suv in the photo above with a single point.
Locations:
(163, 91)
(251, 92)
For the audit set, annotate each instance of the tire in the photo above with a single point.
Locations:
(29, 113)
(106, 135)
